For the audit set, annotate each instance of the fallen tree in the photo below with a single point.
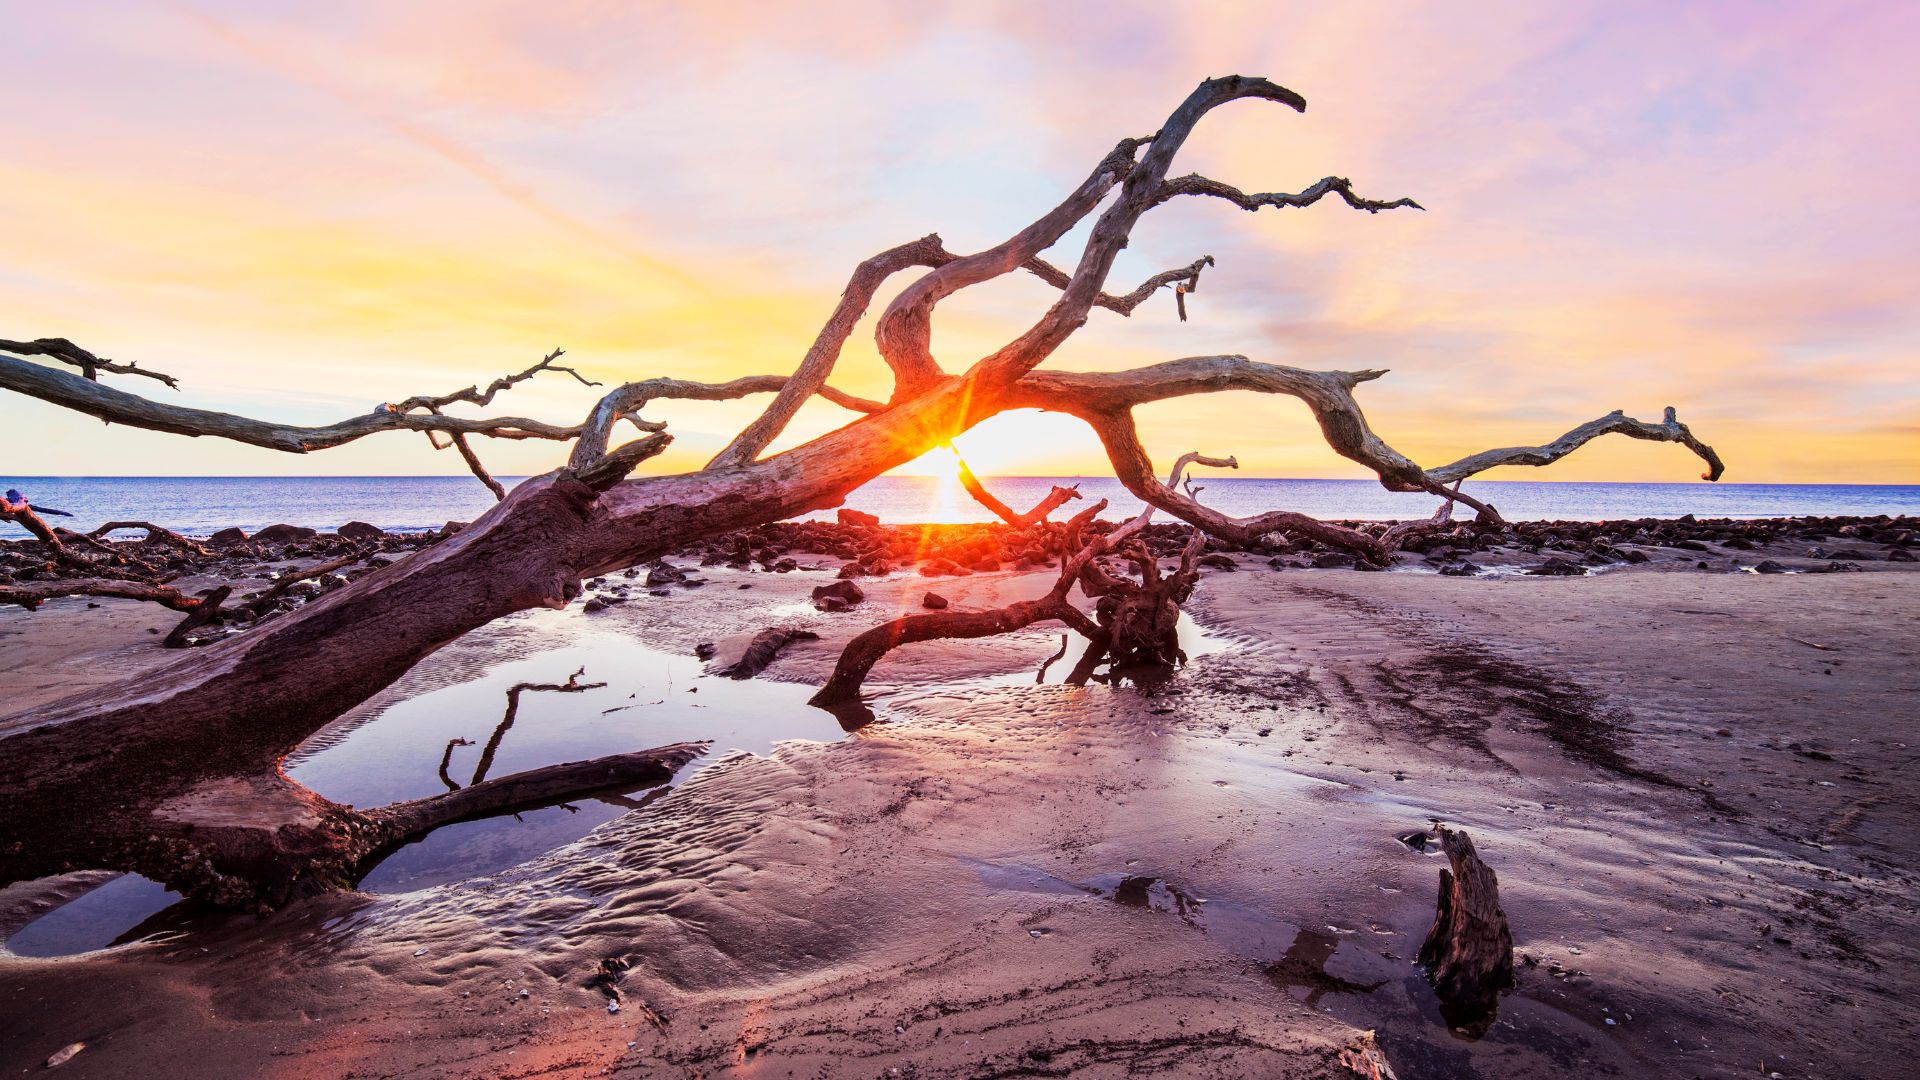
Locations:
(175, 774)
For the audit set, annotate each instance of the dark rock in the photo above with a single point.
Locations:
(838, 596)
(660, 572)
(594, 604)
(1900, 555)
(1333, 560)
(227, 538)
(360, 530)
(1689, 545)
(784, 566)
(855, 519)
(451, 528)
(705, 650)
(933, 601)
(1769, 567)
(1217, 562)
(1634, 556)
(1277, 563)
(1461, 569)
(937, 567)
(1557, 568)
(281, 534)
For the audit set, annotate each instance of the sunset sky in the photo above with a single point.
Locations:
(304, 209)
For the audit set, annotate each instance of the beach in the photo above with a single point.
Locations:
(1695, 787)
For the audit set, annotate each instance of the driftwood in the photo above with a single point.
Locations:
(1468, 952)
(98, 780)
(761, 651)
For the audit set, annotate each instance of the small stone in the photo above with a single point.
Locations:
(933, 601)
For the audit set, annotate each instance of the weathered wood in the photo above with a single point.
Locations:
(104, 776)
(1468, 952)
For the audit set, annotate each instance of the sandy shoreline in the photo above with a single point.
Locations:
(961, 889)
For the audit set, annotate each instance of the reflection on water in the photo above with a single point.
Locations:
(94, 920)
(651, 698)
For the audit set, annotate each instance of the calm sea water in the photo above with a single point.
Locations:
(199, 505)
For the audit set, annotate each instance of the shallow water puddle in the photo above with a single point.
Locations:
(652, 698)
(114, 913)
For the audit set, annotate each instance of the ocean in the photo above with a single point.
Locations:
(198, 505)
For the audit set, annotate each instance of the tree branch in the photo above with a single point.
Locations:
(1669, 430)
(1047, 505)
(811, 376)
(399, 822)
(90, 365)
(1195, 184)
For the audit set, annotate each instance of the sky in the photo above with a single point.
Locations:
(302, 210)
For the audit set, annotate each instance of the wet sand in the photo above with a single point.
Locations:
(1204, 879)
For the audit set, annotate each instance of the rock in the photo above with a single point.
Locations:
(1900, 555)
(784, 566)
(705, 650)
(227, 538)
(937, 567)
(660, 572)
(1277, 563)
(1557, 568)
(1217, 562)
(281, 534)
(593, 605)
(838, 596)
(1461, 569)
(1768, 566)
(933, 601)
(986, 566)
(1690, 545)
(1634, 556)
(1333, 560)
(452, 528)
(855, 519)
(360, 530)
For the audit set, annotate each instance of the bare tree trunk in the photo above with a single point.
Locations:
(175, 774)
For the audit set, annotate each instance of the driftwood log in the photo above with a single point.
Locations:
(1468, 952)
(110, 779)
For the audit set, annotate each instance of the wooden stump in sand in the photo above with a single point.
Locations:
(1469, 951)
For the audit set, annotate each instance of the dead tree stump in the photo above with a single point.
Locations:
(1469, 951)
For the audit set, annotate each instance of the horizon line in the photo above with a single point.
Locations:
(932, 476)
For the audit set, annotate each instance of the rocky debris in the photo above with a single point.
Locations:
(360, 530)
(452, 529)
(933, 601)
(855, 519)
(1217, 562)
(227, 538)
(1461, 569)
(838, 596)
(594, 605)
(1333, 560)
(1768, 566)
